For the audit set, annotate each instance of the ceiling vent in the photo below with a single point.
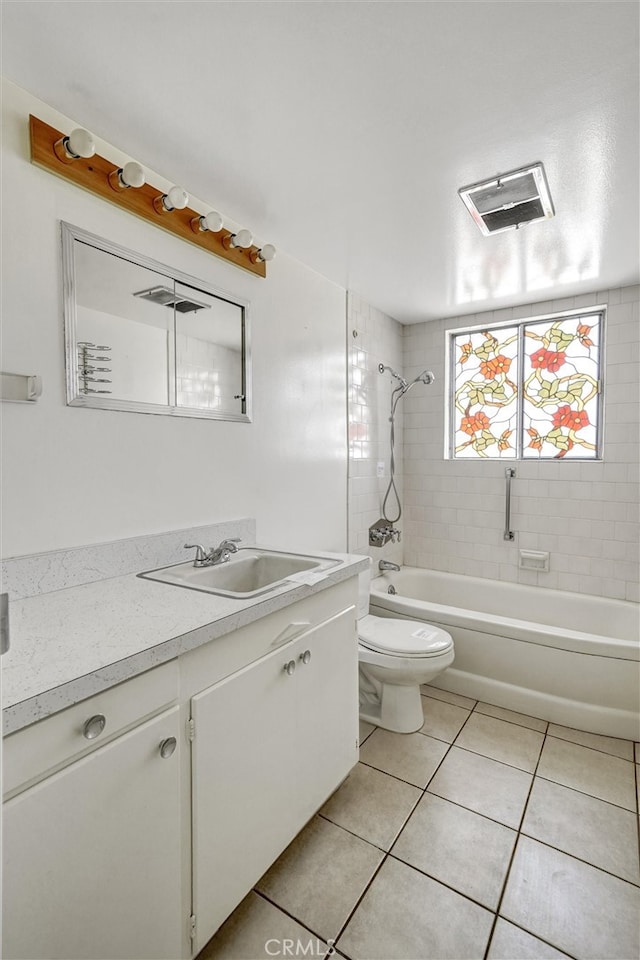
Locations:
(509, 200)
(165, 297)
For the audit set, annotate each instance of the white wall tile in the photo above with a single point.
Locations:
(585, 514)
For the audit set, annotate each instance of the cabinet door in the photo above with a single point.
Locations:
(326, 711)
(243, 783)
(91, 856)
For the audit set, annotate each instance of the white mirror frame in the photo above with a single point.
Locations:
(71, 234)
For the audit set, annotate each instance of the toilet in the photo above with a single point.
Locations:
(395, 657)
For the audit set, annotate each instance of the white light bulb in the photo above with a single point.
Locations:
(241, 239)
(80, 143)
(267, 252)
(132, 175)
(176, 199)
(212, 222)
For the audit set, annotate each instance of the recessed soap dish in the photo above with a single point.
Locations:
(534, 560)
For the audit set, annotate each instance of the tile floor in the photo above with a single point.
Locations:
(488, 834)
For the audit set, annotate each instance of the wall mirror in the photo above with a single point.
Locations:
(143, 337)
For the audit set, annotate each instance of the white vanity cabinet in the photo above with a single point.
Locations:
(271, 742)
(136, 820)
(91, 852)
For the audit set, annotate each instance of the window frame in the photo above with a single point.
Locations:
(599, 310)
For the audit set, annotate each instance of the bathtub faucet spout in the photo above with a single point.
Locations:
(388, 565)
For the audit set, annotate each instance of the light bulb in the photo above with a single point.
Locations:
(132, 175)
(267, 252)
(79, 143)
(175, 199)
(212, 222)
(241, 239)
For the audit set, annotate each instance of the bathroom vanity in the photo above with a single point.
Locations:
(136, 819)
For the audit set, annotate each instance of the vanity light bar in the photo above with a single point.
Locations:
(54, 151)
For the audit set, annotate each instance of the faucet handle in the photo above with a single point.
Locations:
(200, 556)
(230, 544)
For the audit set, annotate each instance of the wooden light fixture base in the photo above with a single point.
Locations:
(100, 176)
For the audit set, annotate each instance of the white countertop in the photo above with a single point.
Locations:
(72, 643)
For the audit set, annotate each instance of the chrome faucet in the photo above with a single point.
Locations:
(388, 565)
(220, 554)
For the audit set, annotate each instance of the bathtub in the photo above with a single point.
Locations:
(564, 657)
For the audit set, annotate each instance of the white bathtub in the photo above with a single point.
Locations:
(564, 657)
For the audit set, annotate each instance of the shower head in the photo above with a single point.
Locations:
(427, 377)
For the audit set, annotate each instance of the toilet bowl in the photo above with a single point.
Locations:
(395, 657)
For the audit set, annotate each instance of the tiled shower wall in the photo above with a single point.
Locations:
(584, 514)
(372, 338)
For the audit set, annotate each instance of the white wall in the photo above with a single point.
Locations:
(584, 514)
(73, 476)
(378, 340)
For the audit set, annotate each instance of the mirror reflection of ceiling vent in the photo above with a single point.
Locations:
(509, 200)
(165, 297)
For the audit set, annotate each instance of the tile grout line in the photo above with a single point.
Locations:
(518, 831)
(287, 913)
(388, 852)
(474, 709)
(513, 852)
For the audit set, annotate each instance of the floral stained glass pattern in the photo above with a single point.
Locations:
(486, 365)
(529, 390)
(561, 388)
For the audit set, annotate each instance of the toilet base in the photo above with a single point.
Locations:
(397, 708)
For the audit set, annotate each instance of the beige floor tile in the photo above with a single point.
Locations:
(581, 910)
(442, 720)
(457, 847)
(636, 749)
(321, 876)
(502, 741)
(520, 718)
(598, 774)
(412, 757)
(593, 830)
(486, 786)
(405, 914)
(372, 805)
(509, 942)
(365, 730)
(612, 745)
(257, 929)
(447, 697)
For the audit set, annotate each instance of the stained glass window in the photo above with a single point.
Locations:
(530, 390)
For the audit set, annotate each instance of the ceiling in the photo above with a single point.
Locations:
(341, 131)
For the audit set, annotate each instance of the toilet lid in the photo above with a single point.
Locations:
(402, 638)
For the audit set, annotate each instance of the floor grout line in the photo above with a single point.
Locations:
(288, 913)
(513, 852)
(518, 831)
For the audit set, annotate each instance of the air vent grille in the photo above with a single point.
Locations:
(509, 200)
(165, 297)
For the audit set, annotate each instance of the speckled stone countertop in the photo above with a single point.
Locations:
(72, 643)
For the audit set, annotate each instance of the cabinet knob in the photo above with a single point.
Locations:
(94, 726)
(290, 667)
(306, 656)
(167, 747)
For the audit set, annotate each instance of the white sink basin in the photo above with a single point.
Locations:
(249, 572)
